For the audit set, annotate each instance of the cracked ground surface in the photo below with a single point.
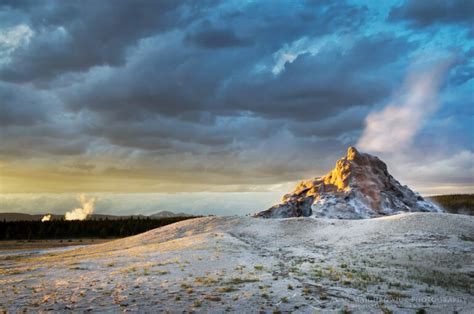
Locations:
(400, 263)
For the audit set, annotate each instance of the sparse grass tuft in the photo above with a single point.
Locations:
(239, 267)
(214, 298)
(240, 280)
(258, 267)
(226, 289)
(396, 295)
(77, 268)
(167, 262)
(205, 281)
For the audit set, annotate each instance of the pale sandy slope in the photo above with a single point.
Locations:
(400, 263)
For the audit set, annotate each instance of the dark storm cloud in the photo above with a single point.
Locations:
(40, 141)
(314, 87)
(210, 37)
(426, 13)
(161, 133)
(190, 81)
(179, 91)
(21, 106)
(75, 36)
(346, 121)
(204, 91)
(166, 99)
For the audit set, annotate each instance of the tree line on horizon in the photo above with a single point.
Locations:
(63, 229)
(455, 203)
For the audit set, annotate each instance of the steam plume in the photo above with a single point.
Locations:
(81, 213)
(46, 218)
(393, 128)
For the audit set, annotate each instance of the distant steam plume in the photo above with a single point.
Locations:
(394, 127)
(46, 218)
(81, 213)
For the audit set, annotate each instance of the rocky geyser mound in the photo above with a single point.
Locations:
(358, 187)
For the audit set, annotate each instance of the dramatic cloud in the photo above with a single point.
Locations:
(186, 96)
(426, 13)
(12, 38)
(217, 38)
(21, 106)
(77, 36)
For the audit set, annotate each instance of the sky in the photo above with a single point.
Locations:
(199, 102)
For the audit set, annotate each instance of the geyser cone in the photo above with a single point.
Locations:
(358, 187)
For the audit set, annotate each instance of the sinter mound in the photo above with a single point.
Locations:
(358, 187)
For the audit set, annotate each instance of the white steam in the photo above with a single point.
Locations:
(394, 127)
(46, 218)
(81, 213)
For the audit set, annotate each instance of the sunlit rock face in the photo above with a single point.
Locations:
(358, 187)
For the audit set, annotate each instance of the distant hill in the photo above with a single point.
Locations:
(169, 214)
(455, 203)
(36, 217)
(22, 217)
